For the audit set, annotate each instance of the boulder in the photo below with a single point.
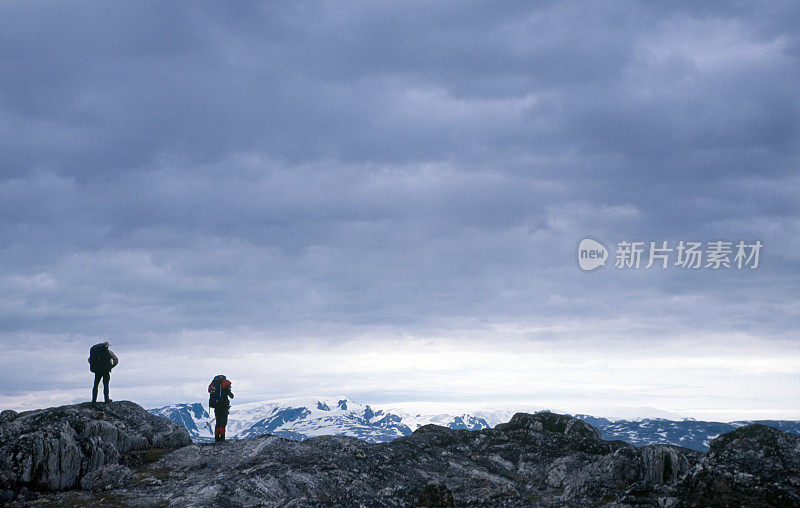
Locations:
(107, 477)
(55, 448)
(754, 465)
(663, 464)
(552, 422)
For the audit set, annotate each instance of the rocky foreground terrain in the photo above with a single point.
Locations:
(120, 455)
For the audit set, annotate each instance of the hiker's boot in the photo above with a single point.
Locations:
(108, 400)
(222, 434)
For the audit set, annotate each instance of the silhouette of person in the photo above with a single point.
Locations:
(220, 393)
(101, 361)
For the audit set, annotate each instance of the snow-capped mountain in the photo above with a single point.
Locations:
(301, 418)
(298, 419)
(454, 415)
(689, 433)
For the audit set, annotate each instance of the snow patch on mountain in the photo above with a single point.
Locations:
(456, 415)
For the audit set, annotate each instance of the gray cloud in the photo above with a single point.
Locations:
(319, 172)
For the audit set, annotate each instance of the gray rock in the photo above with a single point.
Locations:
(7, 415)
(552, 422)
(435, 494)
(534, 460)
(52, 449)
(663, 464)
(106, 477)
(754, 465)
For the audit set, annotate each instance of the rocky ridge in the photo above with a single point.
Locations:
(545, 459)
(85, 445)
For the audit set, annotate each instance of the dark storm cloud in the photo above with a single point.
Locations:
(322, 168)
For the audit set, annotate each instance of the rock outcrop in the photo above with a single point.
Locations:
(69, 446)
(755, 465)
(544, 459)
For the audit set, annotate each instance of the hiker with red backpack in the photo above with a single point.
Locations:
(219, 391)
(101, 361)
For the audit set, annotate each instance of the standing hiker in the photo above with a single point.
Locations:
(101, 361)
(219, 391)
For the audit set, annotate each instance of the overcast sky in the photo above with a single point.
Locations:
(384, 200)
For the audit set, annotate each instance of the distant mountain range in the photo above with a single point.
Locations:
(301, 418)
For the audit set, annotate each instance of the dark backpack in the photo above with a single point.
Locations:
(216, 393)
(99, 359)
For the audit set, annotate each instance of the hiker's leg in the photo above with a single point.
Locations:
(222, 421)
(106, 379)
(218, 429)
(97, 377)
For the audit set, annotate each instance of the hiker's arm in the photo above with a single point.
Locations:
(114, 359)
(230, 393)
